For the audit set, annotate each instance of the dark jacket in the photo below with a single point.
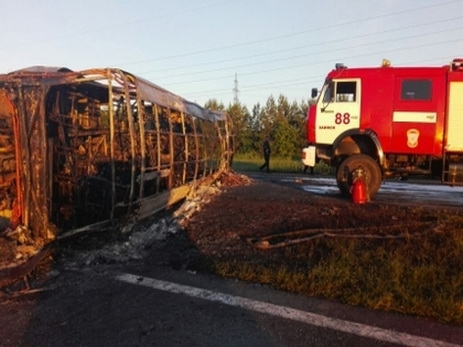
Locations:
(267, 150)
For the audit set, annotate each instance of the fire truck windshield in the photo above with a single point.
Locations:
(328, 93)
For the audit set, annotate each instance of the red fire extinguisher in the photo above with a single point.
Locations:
(359, 188)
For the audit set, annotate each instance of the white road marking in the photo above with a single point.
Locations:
(286, 312)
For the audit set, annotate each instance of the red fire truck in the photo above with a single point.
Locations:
(388, 121)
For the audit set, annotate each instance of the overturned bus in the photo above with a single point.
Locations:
(79, 150)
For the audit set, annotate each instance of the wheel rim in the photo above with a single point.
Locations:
(372, 174)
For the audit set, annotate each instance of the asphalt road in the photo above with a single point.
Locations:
(136, 305)
(410, 192)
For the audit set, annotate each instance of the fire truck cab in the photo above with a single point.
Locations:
(388, 121)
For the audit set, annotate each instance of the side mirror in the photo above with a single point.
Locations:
(314, 93)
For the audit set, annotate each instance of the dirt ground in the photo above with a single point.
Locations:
(224, 221)
(248, 219)
(246, 212)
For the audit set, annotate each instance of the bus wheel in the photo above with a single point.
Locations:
(371, 174)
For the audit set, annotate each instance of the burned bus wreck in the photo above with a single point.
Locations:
(82, 149)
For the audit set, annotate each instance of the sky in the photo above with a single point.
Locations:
(222, 49)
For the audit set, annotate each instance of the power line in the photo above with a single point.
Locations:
(120, 25)
(320, 62)
(285, 36)
(319, 79)
(295, 57)
(311, 45)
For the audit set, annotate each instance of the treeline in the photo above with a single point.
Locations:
(283, 121)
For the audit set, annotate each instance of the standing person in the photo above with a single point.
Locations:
(308, 167)
(267, 151)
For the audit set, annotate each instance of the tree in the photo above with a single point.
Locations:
(285, 124)
(242, 127)
(214, 105)
(279, 119)
(283, 138)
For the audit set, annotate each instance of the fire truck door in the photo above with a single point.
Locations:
(414, 117)
(338, 109)
(455, 118)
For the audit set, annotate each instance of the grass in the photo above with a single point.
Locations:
(277, 164)
(419, 274)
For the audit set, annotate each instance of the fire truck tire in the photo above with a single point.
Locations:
(371, 169)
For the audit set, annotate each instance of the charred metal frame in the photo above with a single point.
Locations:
(82, 149)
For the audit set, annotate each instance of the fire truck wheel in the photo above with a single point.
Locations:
(371, 174)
